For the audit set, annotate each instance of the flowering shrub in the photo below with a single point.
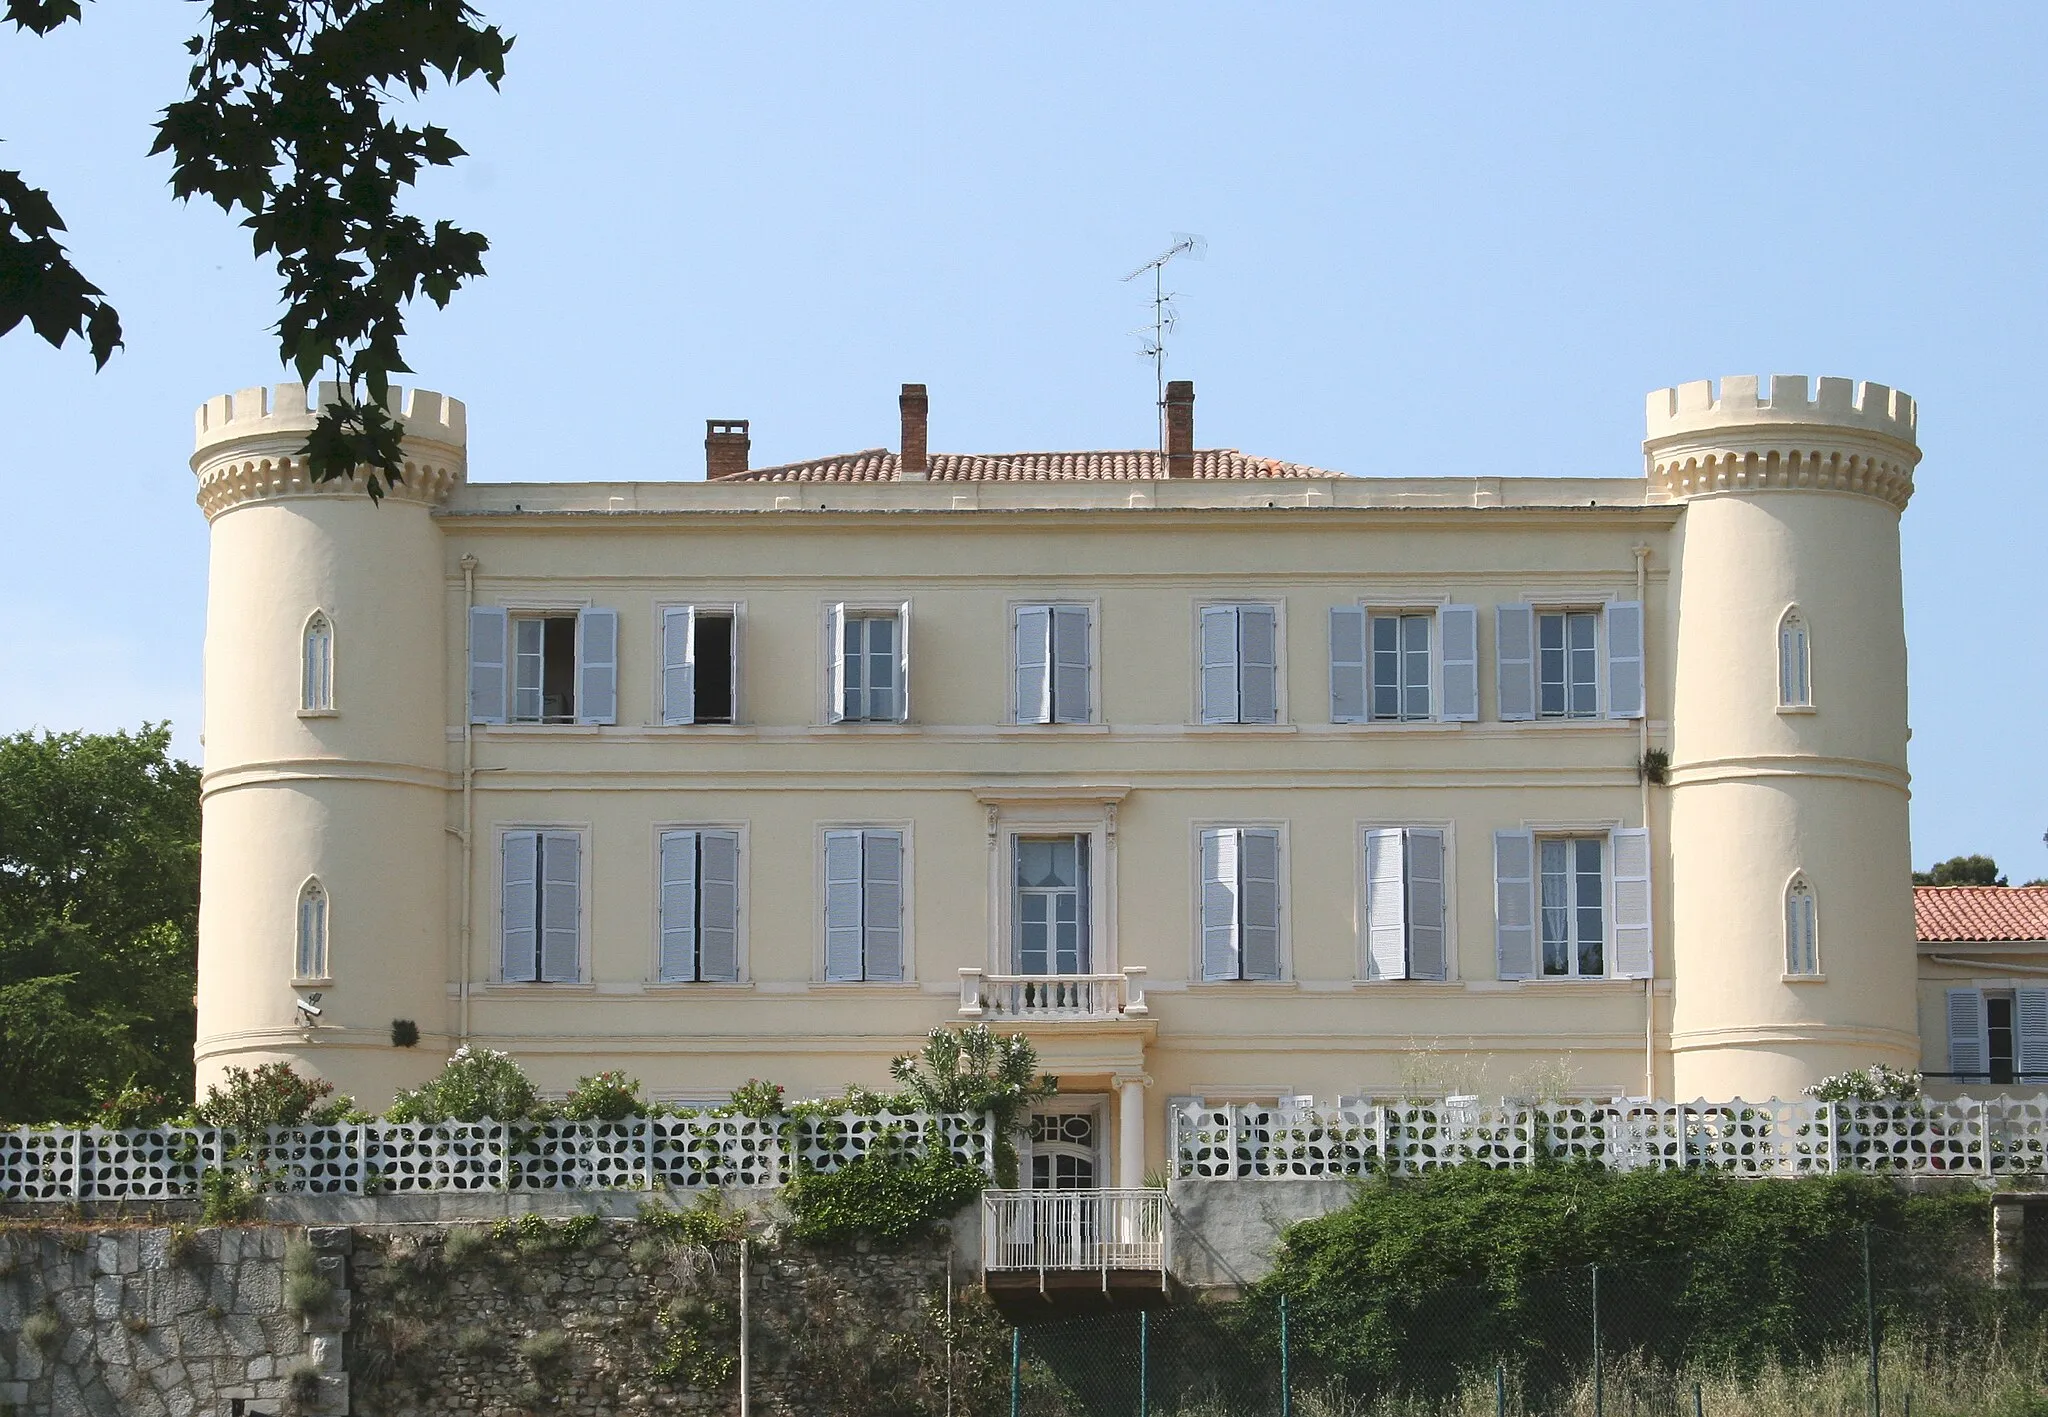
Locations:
(607, 1097)
(132, 1106)
(273, 1095)
(478, 1083)
(1877, 1083)
(758, 1099)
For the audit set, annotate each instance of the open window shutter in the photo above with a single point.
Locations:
(1220, 852)
(1457, 631)
(1219, 664)
(1625, 659)
(486, 664)
(1514, 661)
(1514, 903)
(882, 904)
(1034, 664)
(1258, 654)
(597, 666)
(1258, 899)
(1070, 664)
(842, 905)
(561, 915)
(518, 960)
(835, 659)
(718, 912)
(1966, 1034)
(679, 664)
(1386, 906)
(529, 655)
(1633, 958)
(1426, 905)
(678, 906)
(1347, 664)
(2030, 1032)
(903, 663)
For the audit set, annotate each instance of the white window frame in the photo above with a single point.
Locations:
(820, 945)
(1362, 953)
(1436, 610)
(1095, 675)
(2029, 1046)
(1569, 608)
(1433, 689)
(1573, 943)
(734, 608)
(325, 924)
(1092, 1105)
(313, 702)
(830, 707)
(1802, 952)
(584, 904)
(1198, 709)
(1282, 865)
(1003, 878)
(1610, 831)
(1788, 700)
(514, 610)
(741, 962)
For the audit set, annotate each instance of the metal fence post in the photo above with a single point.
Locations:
(1144, 1363)
(1599, 1377)
(1698, 1409)
(1016, 1368)
(1870, 1328)
(1500, 1390)
(1286, 1385)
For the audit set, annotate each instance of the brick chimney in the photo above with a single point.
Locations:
(913, 462)
(725, 447)
(1180, 428)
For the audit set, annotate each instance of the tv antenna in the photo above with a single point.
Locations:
(1152, 344)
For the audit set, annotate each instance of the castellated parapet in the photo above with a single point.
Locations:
(1842, 436)
(248, 445)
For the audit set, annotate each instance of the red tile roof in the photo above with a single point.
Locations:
(1980, 913)
(879, 465)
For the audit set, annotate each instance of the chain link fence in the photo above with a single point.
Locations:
(1869, 1325)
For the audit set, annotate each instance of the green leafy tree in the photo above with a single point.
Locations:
(287, 121)
(1961, 871)
(99, 915)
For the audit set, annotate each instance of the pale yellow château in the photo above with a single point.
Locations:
(1217, 776)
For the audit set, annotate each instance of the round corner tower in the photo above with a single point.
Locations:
(1792, 905)
(324, 829)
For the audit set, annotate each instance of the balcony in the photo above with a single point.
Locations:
(1052, 998)
(1067, 1251)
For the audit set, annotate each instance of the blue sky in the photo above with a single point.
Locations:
(1443, 240)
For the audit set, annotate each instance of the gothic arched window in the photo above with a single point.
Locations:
(311, 959)
(316, 682)
(1802, 928)
(1795, 659)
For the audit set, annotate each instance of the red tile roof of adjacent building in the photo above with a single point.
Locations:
(1980, 913)
(880, 465)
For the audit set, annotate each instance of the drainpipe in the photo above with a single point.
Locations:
(1642, 554)
(467, 833)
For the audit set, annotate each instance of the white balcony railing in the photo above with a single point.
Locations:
(1067, 1231)
(1033, 997)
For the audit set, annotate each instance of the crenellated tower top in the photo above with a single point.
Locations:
(247, 445)
(1841, 436)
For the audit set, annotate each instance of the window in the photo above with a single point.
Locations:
(1053, 667)
(1567, 664)
(863, 905)
(1404, 666)
(1802, 929)
(564, 666)
(542, 915)
(1400, 667)
(1999, 1036)
(316, 680)
(1063, 1151)
(311, 958)
(700, 906)
(1795, 684)
(1240, 903)
(699, 659)
(1572, 905)
(1240, 678)
(870, 664)
(1404, 903)
(1051, 905)
(1547, 662)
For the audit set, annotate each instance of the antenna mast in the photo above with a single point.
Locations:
(1152, 344)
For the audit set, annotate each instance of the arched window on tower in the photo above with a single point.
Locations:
(1802, 928)
(316, 683)
(311, 960)
(1795, 663)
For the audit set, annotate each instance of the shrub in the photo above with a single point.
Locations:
(606, 1097)
(545, 1350)
(129, 1107)
(273, 1095)
(758, 1099)
(42, 1330)
(463, 1242)
(226, 1196)
(881, 1196)
(477, 1083)
(972, 1070)
(306, 1289)
(302, 1389)
(1877, 1083)
(181, 1247)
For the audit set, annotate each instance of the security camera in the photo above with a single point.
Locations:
(309, 1005)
